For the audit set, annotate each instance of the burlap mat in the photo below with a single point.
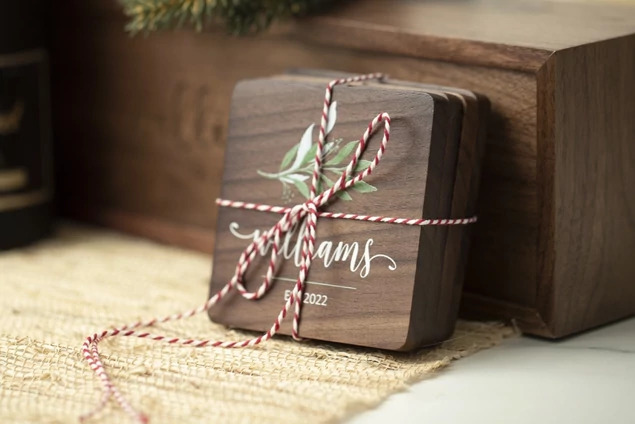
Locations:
(84, 280)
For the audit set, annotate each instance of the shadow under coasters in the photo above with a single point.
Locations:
(370, 284)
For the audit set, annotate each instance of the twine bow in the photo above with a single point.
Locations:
(309, 211)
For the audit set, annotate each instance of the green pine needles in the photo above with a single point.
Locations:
(239, 16)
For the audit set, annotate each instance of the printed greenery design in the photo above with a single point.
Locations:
(296, 168)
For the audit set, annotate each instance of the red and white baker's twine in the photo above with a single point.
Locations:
(309, 210)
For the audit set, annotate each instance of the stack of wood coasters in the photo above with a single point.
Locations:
(381, 285)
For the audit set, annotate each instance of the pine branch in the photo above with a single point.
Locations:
(239, 16)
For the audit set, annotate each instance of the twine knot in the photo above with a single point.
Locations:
(302, 209)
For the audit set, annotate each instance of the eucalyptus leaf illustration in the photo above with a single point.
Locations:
(302, 188)
(298, 177)
(298, 163)
(343, 153)
(363, 187)
(288, 157)
(306, 142)
(332, 117)
(344, 195)
(362, 165)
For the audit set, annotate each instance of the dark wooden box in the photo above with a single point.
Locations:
(141, 122)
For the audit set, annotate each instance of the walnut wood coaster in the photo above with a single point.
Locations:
(371, 284)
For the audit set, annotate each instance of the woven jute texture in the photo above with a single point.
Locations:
(83, 280)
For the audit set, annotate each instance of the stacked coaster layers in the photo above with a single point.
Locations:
(371, 284)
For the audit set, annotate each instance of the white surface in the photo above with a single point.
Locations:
(589, 378)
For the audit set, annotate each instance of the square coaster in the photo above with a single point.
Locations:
(369, 282)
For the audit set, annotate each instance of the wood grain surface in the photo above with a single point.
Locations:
(594, 195)
(415, 179)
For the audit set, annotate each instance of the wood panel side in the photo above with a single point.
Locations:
(545, 249)
(516, 34)
(594, 271)
(388, 40)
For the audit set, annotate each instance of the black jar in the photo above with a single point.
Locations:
(26, 174)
